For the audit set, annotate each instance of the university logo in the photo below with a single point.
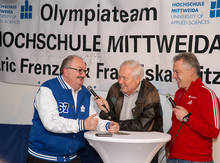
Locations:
(215, 9)
(26, 11)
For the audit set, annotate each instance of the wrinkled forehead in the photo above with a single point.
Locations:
(125, 71)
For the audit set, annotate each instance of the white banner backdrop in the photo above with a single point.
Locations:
(35, 36)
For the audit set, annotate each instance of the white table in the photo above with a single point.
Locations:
(137, 147)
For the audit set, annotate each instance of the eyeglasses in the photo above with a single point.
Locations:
(79, 70)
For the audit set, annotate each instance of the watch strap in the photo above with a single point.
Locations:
(186, 117)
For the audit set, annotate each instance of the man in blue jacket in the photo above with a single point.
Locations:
(63, 111)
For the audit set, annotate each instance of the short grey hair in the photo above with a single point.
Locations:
(188, 59)
(137, 68)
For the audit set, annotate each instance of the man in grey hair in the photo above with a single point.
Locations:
(195, 119)
(132, 101)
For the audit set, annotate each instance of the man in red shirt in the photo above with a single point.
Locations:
(195, 119)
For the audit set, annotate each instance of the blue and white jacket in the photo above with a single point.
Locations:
(57, 132)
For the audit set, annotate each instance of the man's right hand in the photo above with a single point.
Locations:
(91, 122)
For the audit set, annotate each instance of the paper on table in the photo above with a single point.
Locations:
(122, 133)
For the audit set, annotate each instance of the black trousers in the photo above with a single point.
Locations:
(89, 155)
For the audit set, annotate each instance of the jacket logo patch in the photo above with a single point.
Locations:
(63, 107)
(83, 109)
(192, 97)
(190, 102)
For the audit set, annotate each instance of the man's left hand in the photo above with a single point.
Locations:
(114, 127)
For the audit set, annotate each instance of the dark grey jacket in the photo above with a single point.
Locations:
(147, 113)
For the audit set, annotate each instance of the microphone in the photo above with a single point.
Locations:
(95, 95)
(171, 101)
(92, 92)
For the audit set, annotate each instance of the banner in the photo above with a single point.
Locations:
(35, 36)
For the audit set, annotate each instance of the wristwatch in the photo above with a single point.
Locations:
(186, 117)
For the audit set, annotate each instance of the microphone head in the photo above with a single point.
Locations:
(168, 95)
(89, 87)
(92, 91)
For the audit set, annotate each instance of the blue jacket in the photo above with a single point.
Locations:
(56, 146)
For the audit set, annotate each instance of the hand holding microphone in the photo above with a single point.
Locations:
(102, 103)
(171, 101)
